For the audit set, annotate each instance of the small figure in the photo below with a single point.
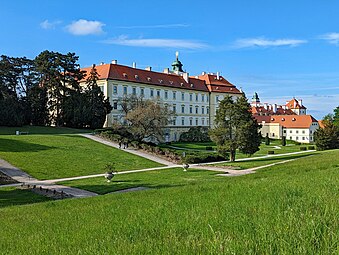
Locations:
(120, 144)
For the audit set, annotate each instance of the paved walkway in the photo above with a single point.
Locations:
(24, 178)
(132, 151)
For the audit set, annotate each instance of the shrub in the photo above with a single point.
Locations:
(209, 148)
(195, 134)
(283, 141)
(195, 158)
(135, 144)
(303, 148)
(311, 147)
(270, 152)
(267, 140)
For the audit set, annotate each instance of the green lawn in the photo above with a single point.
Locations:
(14, 196)
(201, 147)
(57, 156)
(286, 209)
(167, 178)
(42, 130)
(262, 161)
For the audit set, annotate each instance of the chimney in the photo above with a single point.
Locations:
(149, 68)
(218, 76)
(203, 73)
(275, 108)
(266, 106)
(301, 102)
(186, 77)
(166, 70)
(134, 65)
(114, 62)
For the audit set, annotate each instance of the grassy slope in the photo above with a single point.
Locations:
(56, 156)
(263, 161)
(287, 209)
(42, 130)
(14, 196)
(201, 147)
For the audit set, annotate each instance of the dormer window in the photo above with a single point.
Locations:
(181, 84)
(192, 85)
(293, 119)
(160, 81)
(283, 119)
(217, 88)
(136, 76)
(272, 119)
(171, 82)
(149, 78)
(124, 74)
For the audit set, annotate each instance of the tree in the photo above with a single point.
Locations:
(130, 102)
(147, 120)
(327, 138)
(99, 107)
(235, 128)
(336, 116)
(283, 140)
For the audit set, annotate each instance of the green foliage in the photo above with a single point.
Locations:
(311, 147)
(235, 127)
(195, 158)
(270, 152)
(328, 137)
(195, 134)
(303, 148)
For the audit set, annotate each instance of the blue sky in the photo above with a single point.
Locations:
(279, 49)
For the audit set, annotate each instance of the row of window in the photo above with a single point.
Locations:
(297, 131)
(157, 93)
(191, 121)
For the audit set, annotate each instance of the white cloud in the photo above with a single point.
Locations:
(332, 38)
(262, 42)
(155, 26)
(46, 24)
(85, 27)
(156, 43)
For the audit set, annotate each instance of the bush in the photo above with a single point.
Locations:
(209, 148)
(311, 147)
(283, 141)
(202, 158)
(270, 152)
(195, 134)
(303, 148)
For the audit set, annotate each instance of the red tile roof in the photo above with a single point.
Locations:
(219, 85)
(125, 73)
(288, 121)
(260, 110)
(294, 104)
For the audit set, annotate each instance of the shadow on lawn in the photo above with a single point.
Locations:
(11, 197)
(12, 145)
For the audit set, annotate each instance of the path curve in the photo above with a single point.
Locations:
(132, 151)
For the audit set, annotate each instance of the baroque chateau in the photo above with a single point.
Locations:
(195, 99)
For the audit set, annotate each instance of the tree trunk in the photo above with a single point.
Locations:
(232, 155)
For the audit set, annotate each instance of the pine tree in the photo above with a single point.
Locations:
(99, 107)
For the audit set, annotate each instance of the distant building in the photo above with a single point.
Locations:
(289, 120)
(193, 99)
